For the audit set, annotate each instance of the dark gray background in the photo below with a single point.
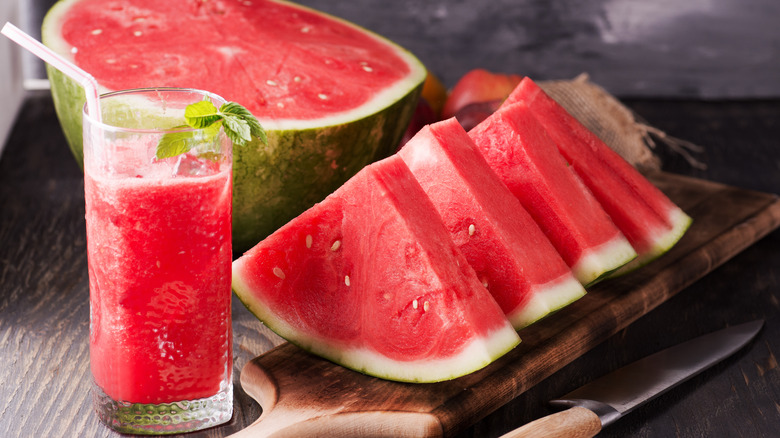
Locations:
(638, 48)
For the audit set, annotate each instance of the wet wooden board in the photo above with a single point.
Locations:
(304, 395)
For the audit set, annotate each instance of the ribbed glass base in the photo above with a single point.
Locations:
(164, 418)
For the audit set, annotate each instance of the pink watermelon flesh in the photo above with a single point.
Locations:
(507, 249)
(650, 221)
(274, 82)
(517, 147)
(370, 279)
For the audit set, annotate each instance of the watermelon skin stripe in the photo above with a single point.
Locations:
(648, 219)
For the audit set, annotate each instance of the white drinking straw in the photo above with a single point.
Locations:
(85, 79)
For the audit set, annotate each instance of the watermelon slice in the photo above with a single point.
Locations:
(510, 253)
(370, 279)
(517, 147)
(650, 221)
(332, 96)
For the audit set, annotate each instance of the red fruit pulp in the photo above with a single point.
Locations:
(274, 79)
(159, 286)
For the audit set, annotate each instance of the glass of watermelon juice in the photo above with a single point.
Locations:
(159, 256)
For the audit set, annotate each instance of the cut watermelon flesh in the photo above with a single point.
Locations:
(370, 279)
(648, 219)
(274, 81)
(507, 249)
(527, 161)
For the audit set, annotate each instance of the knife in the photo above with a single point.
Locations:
(603, 401)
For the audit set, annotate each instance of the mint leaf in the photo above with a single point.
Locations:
(232, 108)
(174, 143)
(201, 114)
(237, 129)
(239, 125)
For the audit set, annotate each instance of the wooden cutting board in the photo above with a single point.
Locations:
(303, 395)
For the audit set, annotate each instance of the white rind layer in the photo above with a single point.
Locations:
(665, 239)
(668, 238)
(602, 260)
(546, 299)
(474, 356)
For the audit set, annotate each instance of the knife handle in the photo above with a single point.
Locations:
(576, 422)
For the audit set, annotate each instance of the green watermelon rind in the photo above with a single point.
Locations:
(473, 357)
(600, 262)
(665, 241)
(68, 97)
(290, 177)
(548, 299)
(303, 161)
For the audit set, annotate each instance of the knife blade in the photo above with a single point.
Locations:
(603, 401)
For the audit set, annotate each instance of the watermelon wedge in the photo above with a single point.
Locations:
(507, 249)
(518, 149)
(647, 217)
(332, 96)
(370, 279)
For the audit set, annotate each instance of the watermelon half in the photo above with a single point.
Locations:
(332, 96)
(509, 252)
(647, 217)
(370, 279)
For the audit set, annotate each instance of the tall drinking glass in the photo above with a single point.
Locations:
(159, 251)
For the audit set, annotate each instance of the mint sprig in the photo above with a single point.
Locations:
(239, 125)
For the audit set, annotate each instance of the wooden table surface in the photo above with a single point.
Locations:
(44, 308)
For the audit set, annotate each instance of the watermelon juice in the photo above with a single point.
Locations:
(160, 302)
(159, 251)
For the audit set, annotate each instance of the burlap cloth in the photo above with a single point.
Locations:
(615, 124)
